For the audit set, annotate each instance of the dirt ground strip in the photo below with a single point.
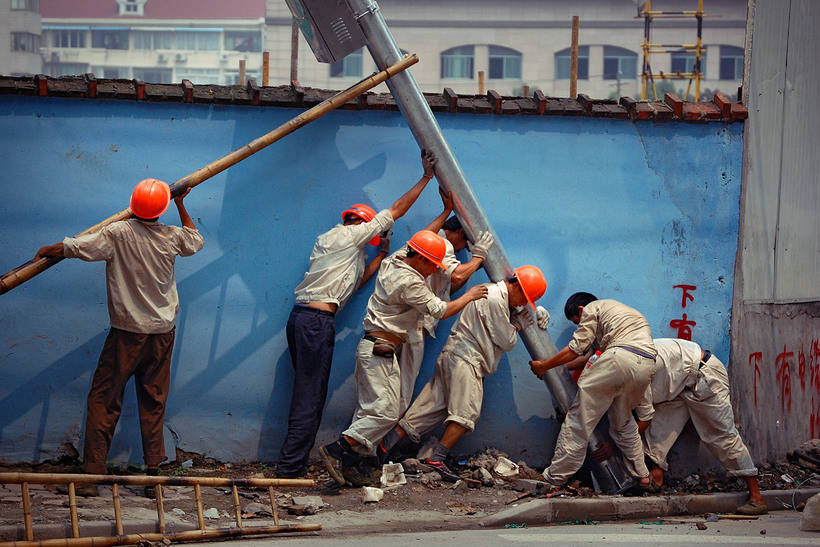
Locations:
(424, 496)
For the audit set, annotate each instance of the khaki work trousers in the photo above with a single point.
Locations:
(707, 403)
(146, 357)
(453, 394)
(615, 383)
(384, 389)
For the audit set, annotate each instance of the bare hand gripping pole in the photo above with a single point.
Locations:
(23, 273)
(427, 133)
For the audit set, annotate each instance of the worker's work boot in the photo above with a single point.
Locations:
(361, 474)
(752, 507)
(439, 466)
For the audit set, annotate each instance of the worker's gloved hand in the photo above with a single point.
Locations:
(542, 316)
(521, 319)
(384, 244)
(428, 161)
(481, 247)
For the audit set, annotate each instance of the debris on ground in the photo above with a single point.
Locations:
(505, 468)
(392, 475)
(372, 494)
(810, 519)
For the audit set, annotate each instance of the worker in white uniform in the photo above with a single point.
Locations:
(615, 384)
(483, 332)
(691, 382)
(395, 309)
(336, 270)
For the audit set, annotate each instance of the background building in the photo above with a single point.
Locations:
(152, 40)
(20, 37)
(521, 43)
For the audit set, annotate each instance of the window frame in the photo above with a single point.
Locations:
(583, 63)
(686, 57)
(30, 41)
(450, 55)
(734, 54)
(621, 54)
(347, 67)
(507, 56)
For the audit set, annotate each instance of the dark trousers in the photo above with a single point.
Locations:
(146, 357)
(311, 335)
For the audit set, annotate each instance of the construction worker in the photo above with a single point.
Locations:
(483, 332)
(142, 305)
(691, 382)
(384, 374)
(336, 270)
(616, 383)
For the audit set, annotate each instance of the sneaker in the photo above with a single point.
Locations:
(752, 508)
(384, 456)
(441, 468)
(336, 460)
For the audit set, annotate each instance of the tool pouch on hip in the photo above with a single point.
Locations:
(384, 350)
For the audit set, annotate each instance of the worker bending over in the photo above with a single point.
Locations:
(483, 332)
(616, 383)
(142, 305)
(336, 269)
(383, 385)
(691, 382)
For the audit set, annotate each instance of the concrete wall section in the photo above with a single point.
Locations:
(775, 353)
(624, 210)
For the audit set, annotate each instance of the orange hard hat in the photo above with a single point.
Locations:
(364, 212)
(430, 245)
(532, 282)
(150, 198)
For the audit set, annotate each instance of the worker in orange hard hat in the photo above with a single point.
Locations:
(616, 383)
(399, 302)
(142, 305)
(336, 270)
(481, 334)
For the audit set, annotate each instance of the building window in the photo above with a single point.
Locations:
(620, 62)
(25, 41)
(731, 63)
(563, 60)
(152, 39)
(243, 41)
(505, 63)
(109, 39)
(193, 41)
(232, 77)
(457, 62)
(349, 67)
(69, 38)
(131, 7)
(111, 72)
(67, 69)
(199, 75)
(685, 62)
(25, 5)
(153, 75)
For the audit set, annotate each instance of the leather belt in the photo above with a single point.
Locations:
(637, 352)
(706, 356)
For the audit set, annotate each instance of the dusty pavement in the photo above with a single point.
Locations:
(423, 504)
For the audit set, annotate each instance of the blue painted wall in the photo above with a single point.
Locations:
(620, 209)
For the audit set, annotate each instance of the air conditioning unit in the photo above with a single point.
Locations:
(162, 58)
(223, 57)
(180, 57)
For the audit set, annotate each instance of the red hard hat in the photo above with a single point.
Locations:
(430, 245)
(364, 212)
(532, 282)
(150, 198)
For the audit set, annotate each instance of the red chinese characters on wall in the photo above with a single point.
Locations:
(754, 359)
(784, 378)
(684, 324)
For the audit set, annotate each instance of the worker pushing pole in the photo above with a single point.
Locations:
(428, 134)
(26, 271)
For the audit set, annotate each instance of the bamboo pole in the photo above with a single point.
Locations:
(266, 69)
(237, 508)
(115, 494)
(190, 535)
(72, 505)
(27, 511)
(273, 510)
(481, 82)
(294, 53)
(160, 508)
(26, 271)
(199, 516)
(573, 60)
(147, 480)
(242, 79)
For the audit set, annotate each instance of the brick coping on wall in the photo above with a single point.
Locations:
(87, 86)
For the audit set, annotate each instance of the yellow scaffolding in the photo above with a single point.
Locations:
(647, 76)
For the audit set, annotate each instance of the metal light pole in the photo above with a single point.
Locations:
(611, 475)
